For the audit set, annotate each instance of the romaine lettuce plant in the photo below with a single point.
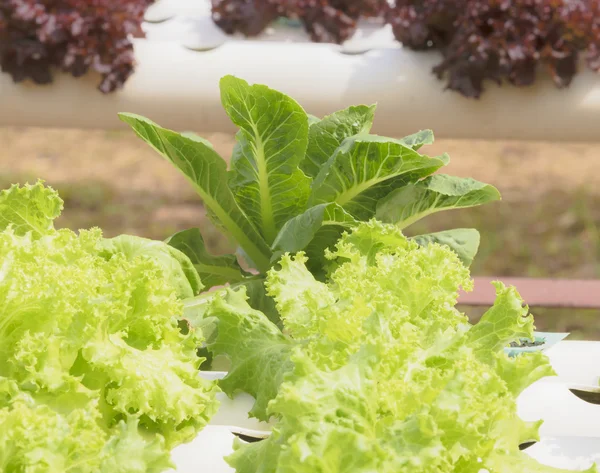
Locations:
(375, 369)
(296, 182)
(95, 373)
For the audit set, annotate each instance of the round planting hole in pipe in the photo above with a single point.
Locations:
(159, 12)
(526, 445)
(201, 48)
(247, 438)
(353, 48)
(203, 35)
(590, 395)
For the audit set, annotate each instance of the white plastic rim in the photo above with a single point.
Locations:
(551, 399)
(205, 454)
(573, 453)
(575, 361)
(233, 413)
(563, 413)
(178, 87)
(207, 451)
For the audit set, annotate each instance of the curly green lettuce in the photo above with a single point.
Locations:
(376, 370)
(95, 373)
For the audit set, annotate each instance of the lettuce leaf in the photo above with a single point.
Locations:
(177, 267)
(31, 208)
(39, 437)
(366, 168)
(95, 374)
(442, 411)
(300, 231)
(326, 135)
(207, 172)
(463, 241)
(260, 353)
(413, 202)
(213, 270)
(265, 178)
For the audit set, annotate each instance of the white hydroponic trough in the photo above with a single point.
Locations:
(185, 54)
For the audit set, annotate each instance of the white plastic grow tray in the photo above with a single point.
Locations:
(570, 435)
(185, 55)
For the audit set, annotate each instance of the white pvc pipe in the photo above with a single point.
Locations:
(569, 453)
(178, 88)
(205, 454)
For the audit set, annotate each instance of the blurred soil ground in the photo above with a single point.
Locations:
(548, 224)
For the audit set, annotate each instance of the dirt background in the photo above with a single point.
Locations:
(548, 224)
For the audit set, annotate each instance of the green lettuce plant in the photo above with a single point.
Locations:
(95, 373)
(375, 370)
(297, 182)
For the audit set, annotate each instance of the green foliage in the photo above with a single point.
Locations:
(95, 374)
(297, 182)
(375, 369)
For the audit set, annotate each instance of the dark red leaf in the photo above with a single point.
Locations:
(324, 20)
(38, 36)
(501, 39)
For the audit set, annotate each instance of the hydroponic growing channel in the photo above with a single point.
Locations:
(185, 54)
